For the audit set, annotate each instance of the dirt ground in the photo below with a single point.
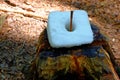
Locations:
(22, 21)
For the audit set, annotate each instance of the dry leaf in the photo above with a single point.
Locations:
(2, 19)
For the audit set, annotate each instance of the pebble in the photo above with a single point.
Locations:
(113, 39)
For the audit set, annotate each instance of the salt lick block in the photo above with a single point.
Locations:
(60, 36)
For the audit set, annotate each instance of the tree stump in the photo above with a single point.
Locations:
(93, 61)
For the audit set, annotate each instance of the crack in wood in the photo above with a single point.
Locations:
(9, 3)
(25, 13)
(19, 5)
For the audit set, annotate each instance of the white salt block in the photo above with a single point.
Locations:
(60, 36)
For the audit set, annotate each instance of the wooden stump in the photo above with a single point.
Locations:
(92, 61)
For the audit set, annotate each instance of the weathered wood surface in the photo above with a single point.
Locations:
(26, 19)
